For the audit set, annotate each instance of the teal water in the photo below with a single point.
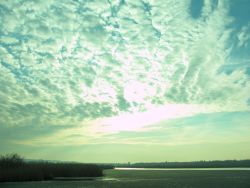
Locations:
(167, 169)
(151, 178)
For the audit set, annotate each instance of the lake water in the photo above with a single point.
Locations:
(167, 169)
(152, 178)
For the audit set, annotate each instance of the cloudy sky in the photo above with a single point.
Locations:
(125, 80)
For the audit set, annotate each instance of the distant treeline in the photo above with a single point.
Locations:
(14, 168)
(194, 164)
(106, 166)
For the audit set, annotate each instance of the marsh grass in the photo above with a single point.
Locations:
(13, 168)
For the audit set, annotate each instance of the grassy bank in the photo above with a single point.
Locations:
(13, 168)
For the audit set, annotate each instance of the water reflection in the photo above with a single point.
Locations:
(182, 169)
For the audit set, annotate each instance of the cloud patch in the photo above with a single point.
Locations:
(65, 63)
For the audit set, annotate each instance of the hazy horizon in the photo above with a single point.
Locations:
(129, 162)
(125, 80)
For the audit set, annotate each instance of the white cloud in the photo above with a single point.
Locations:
(74, 60)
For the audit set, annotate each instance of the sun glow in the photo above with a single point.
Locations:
(135, 91)
(140, 121)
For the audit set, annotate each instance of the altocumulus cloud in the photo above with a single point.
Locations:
(67, 62)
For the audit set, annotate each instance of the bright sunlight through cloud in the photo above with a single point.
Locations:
(86, 73)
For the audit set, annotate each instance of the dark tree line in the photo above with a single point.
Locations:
(11, 161)
(194, 164)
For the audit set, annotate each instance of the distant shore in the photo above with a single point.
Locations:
(193, 164)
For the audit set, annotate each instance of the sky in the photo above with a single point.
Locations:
(125, 80)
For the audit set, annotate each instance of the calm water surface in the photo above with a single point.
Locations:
(183, 169)
(152, 178)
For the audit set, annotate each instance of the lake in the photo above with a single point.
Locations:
(152, 178)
